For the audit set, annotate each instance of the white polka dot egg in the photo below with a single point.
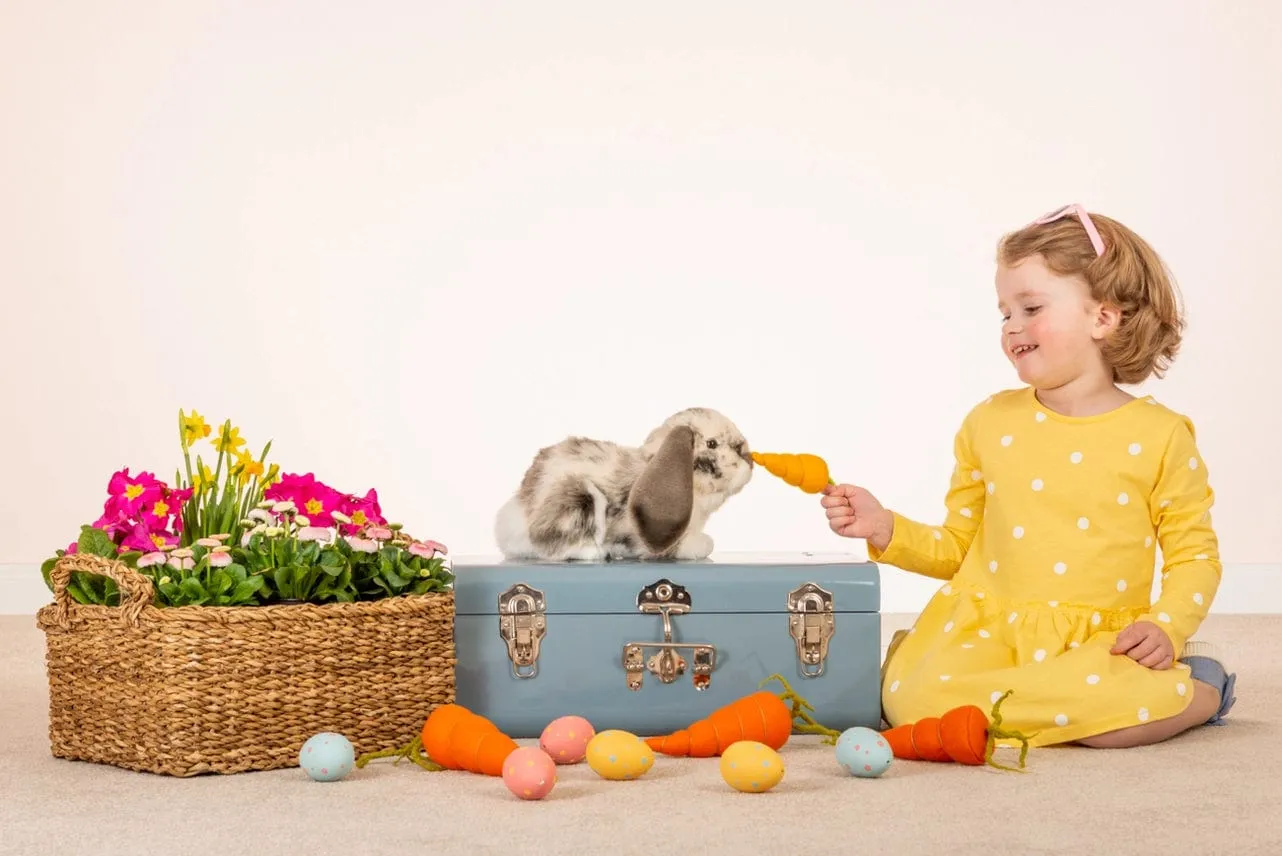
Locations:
(327, 757)
(863, 752)
(566, 739)
(751, 767)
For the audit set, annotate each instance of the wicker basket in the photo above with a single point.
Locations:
(193, 689)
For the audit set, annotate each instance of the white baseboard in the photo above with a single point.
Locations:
(1254, 588)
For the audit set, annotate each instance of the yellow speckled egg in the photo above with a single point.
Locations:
(619, 755)
(751, 767)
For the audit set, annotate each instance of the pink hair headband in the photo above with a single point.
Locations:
(1075, 210)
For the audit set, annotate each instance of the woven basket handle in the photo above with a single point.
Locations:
(136, 590)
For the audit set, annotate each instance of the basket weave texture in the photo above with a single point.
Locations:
(190, 690)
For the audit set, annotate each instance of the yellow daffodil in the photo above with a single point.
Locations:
(193, 427)
(247, 467)
(228, 439)
(203, 479)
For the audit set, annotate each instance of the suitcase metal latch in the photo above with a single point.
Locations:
(811, 624)
(522, 624)
(667, 599)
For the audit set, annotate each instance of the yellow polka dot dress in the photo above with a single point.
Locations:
(1049, 550)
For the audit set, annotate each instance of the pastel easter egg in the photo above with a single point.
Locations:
(529, 772)
(566, 739)
(619, 755)
(751, 767)
(327, 756)
(863, 752)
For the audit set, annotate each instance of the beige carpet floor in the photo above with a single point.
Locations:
(1212, 791)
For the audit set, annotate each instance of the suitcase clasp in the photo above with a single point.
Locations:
(811, 624)
(522, 624)
(667, 599)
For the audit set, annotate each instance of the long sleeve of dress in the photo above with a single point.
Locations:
(937, 551)
(1181, 511)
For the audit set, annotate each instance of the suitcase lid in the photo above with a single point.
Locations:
(724, 583)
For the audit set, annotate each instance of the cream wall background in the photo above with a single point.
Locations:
(414, 242)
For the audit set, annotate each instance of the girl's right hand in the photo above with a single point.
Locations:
(853, 512)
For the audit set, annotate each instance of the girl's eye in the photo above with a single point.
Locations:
(1033, 310)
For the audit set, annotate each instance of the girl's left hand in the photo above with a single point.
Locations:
(1147, 644)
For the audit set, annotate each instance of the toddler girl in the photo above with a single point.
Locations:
(1062, 491)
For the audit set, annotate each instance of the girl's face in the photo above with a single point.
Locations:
(1051, 328)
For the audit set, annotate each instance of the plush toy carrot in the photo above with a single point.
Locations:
(808, 472)
(458, 739)
(454, 738)
(762, 716)
(964, 735)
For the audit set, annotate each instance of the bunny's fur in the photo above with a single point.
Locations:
(594, 500)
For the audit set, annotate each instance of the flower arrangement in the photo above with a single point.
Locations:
(244, 534)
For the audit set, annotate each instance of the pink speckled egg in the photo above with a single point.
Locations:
(566, 739)
(529, 773)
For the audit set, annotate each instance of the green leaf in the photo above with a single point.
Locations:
(221, 583)
(191, 588)
(245, 592)
(170, 593)
(283, 580)
(96, 542)
(78, 594)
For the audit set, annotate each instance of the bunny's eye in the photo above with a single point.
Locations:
(712, 443)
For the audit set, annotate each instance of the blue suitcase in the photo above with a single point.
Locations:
(650, 647)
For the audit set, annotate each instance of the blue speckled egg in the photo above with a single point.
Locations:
(327, 757)
(863, 752)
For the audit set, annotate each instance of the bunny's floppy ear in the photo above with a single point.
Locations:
(662, 500)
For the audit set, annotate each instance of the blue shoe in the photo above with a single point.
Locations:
(1206, 664)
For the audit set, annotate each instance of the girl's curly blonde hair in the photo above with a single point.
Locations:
(1129, 276)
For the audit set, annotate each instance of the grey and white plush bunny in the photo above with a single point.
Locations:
(595, 500)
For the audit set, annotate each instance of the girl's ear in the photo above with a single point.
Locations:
(1107, 317)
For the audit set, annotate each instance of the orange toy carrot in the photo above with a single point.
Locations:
(454, 738)
(964, 735)
(808, 472)
(761, 716)
(458, 739)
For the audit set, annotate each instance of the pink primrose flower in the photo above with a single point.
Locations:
(134, 492)
(313, 499)
(363, 511)
(143, 538)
